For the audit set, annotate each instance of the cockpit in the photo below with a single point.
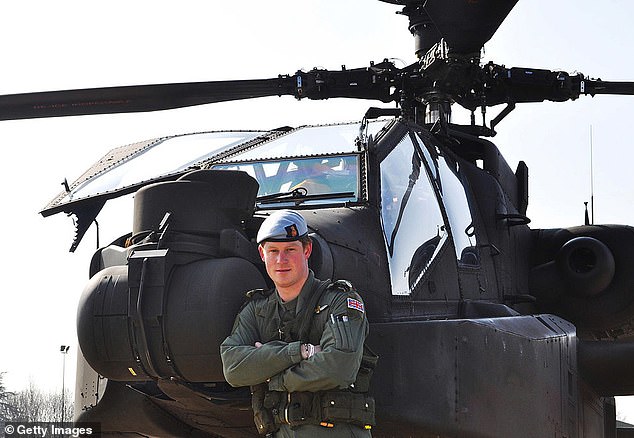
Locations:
(422, 202)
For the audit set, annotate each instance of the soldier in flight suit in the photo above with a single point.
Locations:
(300, 346)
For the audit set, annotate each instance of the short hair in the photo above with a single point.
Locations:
(305, 240)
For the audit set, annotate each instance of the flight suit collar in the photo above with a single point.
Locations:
(273, 300)
(305, 293)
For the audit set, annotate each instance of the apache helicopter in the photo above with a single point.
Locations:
(442, 250)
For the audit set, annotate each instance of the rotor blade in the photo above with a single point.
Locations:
(467, 25)
(521, 85)
(372, 82)
(139, 98)
(593, 87)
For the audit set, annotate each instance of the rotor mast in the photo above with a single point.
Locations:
(427, 43)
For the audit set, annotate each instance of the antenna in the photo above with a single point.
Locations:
(591, 179)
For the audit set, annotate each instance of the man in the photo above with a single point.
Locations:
(300, 346)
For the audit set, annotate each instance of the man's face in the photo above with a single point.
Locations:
(286, 262)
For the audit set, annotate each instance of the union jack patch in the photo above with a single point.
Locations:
(355, 304)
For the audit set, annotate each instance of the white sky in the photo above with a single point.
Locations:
(76, 44)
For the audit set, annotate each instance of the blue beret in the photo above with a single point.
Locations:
(283, 226)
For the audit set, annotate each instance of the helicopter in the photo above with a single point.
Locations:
(441, 234)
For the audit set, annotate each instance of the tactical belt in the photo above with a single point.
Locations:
(324, 408)
(329, 407)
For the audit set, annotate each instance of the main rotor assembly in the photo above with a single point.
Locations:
(449, 37)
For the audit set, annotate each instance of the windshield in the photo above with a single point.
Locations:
(326, 175)
(413, 225)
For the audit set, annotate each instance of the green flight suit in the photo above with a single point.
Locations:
(339, 326)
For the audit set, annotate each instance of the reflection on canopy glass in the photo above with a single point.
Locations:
(318, 176)
(167, 156)
(413, 225)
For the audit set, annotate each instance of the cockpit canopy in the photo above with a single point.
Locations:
(322, 160)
